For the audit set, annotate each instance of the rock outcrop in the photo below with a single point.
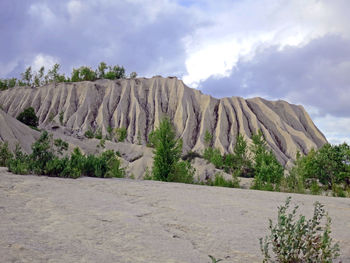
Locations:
(139, 104)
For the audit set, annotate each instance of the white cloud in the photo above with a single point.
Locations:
(43, 60)
(74, 7)
(237, 28)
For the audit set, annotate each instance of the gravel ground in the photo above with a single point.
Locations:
(119, 220)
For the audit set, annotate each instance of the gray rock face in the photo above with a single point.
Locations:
(139, 105)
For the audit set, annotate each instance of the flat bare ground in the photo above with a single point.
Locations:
(118, 220)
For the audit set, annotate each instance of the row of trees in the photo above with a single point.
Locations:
(33, 78)
(327, 168)
(47, 159)
(254, 161)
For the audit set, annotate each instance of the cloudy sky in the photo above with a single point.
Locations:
(296, 50)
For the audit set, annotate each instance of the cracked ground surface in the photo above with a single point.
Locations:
(46, 219)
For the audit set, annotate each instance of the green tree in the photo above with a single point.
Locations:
(167, 165)
(268, 172)
(28, 117)
(53, 74)
(133, 75)
(101, 70)
(115, 72)
(5, 154)
(27, 76)
(42, 152)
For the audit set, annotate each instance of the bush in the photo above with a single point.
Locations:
(121, 134)
(5, 154)
(42, 152)
(219, 180)
(183, 173)
(89, 134)
(299, 241)
(28, 117)
(98, 134)
(213, 156)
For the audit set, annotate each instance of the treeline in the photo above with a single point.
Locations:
(322, 171)
(47, 159)
(255, 161)
(36, 79)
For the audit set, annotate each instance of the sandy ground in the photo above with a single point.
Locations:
(119, 220)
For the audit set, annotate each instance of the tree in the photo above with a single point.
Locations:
(101, 70)
(27, 76)
(42, 152)
(133, 75)
(115, 72)
(167, 165)
(83, 73)
(28, 117)
(268, 171)
(241, 163)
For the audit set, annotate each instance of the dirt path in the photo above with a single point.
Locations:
(117, 220)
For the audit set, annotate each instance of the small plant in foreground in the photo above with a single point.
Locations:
(299, 241)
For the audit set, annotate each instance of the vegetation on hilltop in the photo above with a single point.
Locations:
(36, 79)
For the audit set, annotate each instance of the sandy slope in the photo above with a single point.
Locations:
(118, 220)
(139, 104)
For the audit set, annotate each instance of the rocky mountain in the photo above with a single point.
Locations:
(139, 104)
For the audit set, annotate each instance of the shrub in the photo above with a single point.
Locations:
(121, 134)
(183, 173)
(61, 116)
(42, 152)
(208, 139)
(299, 240)
(293, 182)
(89, 134)
(5, 154)
(219, 180)
(214, 156)
(28, 117)
(98, 134)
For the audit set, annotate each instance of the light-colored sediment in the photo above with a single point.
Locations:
(14, 132)
(46, 219)
(139, 104)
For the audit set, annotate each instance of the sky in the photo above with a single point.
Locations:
(295, 50)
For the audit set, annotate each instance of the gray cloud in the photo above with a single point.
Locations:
(315, 75)
(143, 37)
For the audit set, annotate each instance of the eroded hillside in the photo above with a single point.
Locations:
(139, 104)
